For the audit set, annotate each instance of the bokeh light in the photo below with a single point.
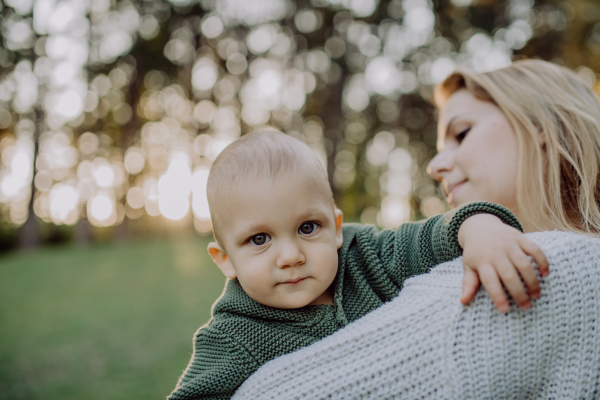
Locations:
(64, 204)
(101, 210)
(199, 199)
(174, 188)
(129, 103)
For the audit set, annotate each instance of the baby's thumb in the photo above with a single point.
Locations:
(470, 286)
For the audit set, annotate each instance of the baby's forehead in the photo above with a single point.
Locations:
(244, 189)
(266, 204)
(272, 184)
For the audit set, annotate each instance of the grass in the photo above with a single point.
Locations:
(105, 322)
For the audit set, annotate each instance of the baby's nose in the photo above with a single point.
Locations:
(290, 255)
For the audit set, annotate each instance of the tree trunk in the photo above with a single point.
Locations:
(332, 119)
(29, 233)
(83, 231)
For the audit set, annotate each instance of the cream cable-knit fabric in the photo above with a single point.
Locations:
(425, 345)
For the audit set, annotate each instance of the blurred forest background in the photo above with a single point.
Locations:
(112, 111)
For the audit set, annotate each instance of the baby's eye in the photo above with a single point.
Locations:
(260, 239)
(307, 228)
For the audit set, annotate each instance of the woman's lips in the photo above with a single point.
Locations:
(294, 281)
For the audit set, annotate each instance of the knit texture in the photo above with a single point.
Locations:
(425, 345)
(244, 334)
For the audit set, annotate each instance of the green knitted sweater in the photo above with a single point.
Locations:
(244, 334)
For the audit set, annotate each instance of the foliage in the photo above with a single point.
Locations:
(129, 102)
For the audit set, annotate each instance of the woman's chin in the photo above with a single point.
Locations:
(465, 198)
(462, 194)
(457, 201)
(454, 204)
(454, 201)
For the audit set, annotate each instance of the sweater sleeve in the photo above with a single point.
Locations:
(218, 366)
(388, 258)
(422, 245)
(444, 235)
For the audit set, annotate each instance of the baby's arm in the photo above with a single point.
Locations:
(417, 247)
(494, 244)
(495, 250)
(495, 253)
(218, 366)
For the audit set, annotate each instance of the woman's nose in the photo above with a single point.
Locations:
(290, 255)
(439, 165)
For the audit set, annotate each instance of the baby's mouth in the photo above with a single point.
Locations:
(294, 281)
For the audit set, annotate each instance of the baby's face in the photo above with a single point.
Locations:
(280, 240)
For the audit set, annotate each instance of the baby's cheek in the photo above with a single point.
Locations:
(330, 264)
(252, 278)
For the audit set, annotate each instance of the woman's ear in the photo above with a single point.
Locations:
(220, 258)
(339, 237)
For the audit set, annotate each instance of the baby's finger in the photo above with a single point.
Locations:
(512, 282)
(537, 254)
(470, 285)
(527, 271)
(491, 283)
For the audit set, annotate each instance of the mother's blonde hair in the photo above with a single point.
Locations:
(556, 118)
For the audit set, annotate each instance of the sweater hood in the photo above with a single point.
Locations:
(236, 302)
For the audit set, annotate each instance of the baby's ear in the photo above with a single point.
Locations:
(220, 258)
(339, 237)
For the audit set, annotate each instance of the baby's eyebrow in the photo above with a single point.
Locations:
(251, 229)
(311, 213)
(315, 213)
(257, 227)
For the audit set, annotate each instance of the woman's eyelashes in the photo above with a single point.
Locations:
(460, 136)
(260, 239)
(308, 227)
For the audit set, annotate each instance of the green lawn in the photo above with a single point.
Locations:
(105, 322)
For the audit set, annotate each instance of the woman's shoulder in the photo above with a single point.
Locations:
(565, 250)
(563, 239)
(568, 247)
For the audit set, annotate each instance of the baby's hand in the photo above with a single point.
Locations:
(494, 252)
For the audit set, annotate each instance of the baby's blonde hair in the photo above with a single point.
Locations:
(260, 155)
(558, 184)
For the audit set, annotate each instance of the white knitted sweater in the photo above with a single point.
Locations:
(425, 345)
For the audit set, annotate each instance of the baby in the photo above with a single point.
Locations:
(296, 274)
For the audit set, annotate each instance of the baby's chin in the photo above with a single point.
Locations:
(289, 303)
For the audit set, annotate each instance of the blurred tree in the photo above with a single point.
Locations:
(135, 99)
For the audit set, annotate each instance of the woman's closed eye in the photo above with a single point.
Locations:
(308, 227)
(260, 239)
(462, 134)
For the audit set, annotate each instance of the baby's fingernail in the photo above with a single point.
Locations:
(526, 305)
(503, 308)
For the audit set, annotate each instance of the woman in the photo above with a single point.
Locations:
(533, 123)
(526, 137)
